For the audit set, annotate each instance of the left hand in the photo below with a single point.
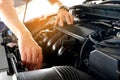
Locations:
(63, 15)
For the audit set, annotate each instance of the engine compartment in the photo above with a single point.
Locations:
(91, 44)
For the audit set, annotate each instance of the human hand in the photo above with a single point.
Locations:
(63, 15)
(31, 53)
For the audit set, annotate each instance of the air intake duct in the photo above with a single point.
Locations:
(54, 73)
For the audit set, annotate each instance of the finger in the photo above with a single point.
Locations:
(39, 60)
(23, 57)
(56, 21)
(34, 59)
(69, 19)
(72, 19)
(61, 21)
(29, 57)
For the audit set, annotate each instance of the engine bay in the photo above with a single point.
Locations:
(89, 48)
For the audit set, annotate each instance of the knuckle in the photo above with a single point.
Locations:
(33, 64)
(29, 62)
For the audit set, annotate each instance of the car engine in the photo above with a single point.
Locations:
(89, 48)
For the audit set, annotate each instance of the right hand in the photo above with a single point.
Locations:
(63, 15)
(31, 52)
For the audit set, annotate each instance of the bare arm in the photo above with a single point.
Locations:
(10, 17)
(55, 2)
(31, 53)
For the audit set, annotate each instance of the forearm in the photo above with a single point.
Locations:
(11, 19)
(56, 2)
(59, 5)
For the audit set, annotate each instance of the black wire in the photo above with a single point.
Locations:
(103, 43)
(92, 39)
(79, 61)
